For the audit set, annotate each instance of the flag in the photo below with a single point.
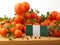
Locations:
(36, 30)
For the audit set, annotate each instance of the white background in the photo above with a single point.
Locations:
(7, 6)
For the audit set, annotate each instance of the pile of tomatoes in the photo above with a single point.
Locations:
(16, 26)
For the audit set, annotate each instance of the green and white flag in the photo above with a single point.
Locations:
(36, 30)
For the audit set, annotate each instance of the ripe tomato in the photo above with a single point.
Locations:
(6, 24)
(3, 31)
(28, 21)
(53, 15)
(42, 24)
(19, 8)
(58, 17)
(1, 25)
(33, 15)
(12, 30)
(18, 33)
(18, 19)
(38, 19)
(56, 33)
(59, 25)
(47, 21)
(13, 22)
(20, 14)
(26, 6)
(54, 21)
(52, 24)
(24, 28)
(19, 26)
(27, 15)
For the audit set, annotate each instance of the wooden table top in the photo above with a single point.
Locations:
(31, 41)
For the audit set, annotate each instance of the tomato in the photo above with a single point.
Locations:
(18, 33)
(3, 31)
(56, 33)
(27, 15)
(19, 26)
(38, 19)
(54, 21)
(33, 15)
(12, 30)
(58, 17)
(53, 15)
(28, 21)
(19, 8)
(18, 19)
(21, 14)
(47, 21)
(52, 24)
(24, 28)
(6, 24)
(42, 24)
(59, 25)
(13, 23)
(26, 6)
(1, 25)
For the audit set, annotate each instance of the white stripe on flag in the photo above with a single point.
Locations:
(36, 30)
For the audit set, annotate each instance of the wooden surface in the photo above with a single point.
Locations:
(31, 41)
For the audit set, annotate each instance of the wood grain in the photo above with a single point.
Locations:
(31, 41)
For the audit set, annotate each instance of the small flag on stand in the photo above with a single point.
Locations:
(36, 30)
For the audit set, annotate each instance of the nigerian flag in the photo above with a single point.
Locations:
(36, 30)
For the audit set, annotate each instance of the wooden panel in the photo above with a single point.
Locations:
(31, 41)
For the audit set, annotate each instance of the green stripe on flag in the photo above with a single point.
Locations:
(43, 31)
(29, 30)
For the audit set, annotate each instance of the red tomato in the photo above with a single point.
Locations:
(13, 23)
(59, 25)
(58, 17)
(12, 30)
(27, 15)
(54, 21)
(18, 33)
(53, 15)
(19, 8)
(52, 24)
(24, 28)
(27, 6)
(1, 25)
(6, 24)
(19, 26)
(18, 19)
(42, 24)
(47, 21)
(38, 19)
(3, 31)
(56, 33)
(33, 15)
